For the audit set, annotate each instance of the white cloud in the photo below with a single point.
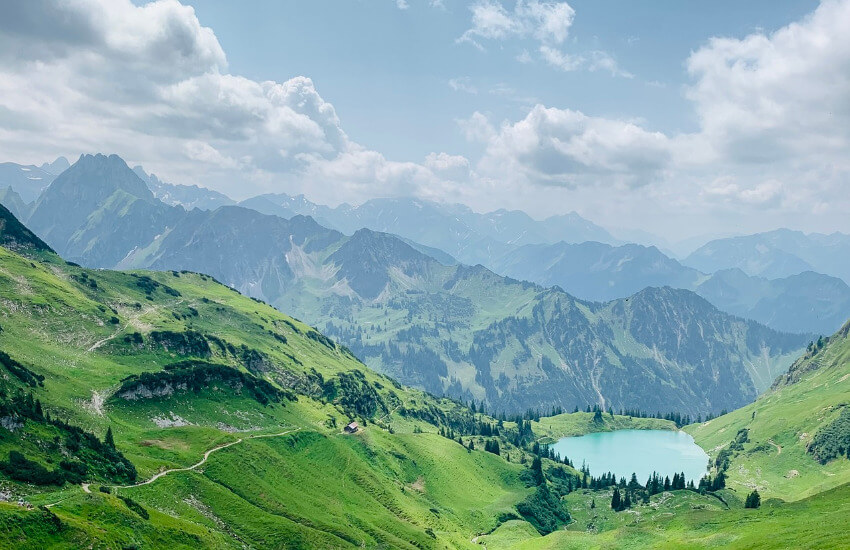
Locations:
(151, 83)
(764, 194)
(548, 22)
(773, 97)
(560, 60)
(562, 147)
(452, 167)
(402, 4)
(477, 128)
(463, 84)
(592, 61)
(524, 57)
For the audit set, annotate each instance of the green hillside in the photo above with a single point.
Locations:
(786, 427)
(448, 329)
(176, 364)
(163, 409)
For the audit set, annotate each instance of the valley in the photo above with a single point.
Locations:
(455, 330)
(231, 414)
(424, 275)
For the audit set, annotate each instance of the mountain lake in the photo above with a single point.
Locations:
(640, 451)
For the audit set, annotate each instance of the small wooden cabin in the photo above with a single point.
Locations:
(351, 428)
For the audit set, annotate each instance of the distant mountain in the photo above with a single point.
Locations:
(467, 332)
(808, 302)
(15, 236)
(596, 271)
(466, 235)
(224, 243)
(518, 228)
(273, 205)
(187, 196)
(13, 201)
(450, 329)
(776, 254)
(27, 180)
(98, 210)
(57, 166)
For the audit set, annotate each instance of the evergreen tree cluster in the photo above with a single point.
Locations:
(833, 440)
(753, 500)
(82, 454)
(492, 446)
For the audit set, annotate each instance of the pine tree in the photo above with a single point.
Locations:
(753, 500)
(108, 440)
(615, 501)
(627, 503)
(537, 471)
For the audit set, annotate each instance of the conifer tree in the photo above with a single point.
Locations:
(537, 471)
(753, 500)
(615, 501)
(108, 440)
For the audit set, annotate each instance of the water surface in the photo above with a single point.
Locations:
(640, 451)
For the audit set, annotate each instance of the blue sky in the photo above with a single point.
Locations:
(677, 118)
(387, 70)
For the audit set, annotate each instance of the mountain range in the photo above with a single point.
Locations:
(580, 257)
(163, 409)
(776, 254)
(450, 329)
(803, 302)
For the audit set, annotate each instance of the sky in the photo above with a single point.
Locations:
(675, 118)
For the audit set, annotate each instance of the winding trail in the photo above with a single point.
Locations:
(778, 447)
(105, 340)
(203, 460)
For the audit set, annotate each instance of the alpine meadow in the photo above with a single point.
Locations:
(424, 274)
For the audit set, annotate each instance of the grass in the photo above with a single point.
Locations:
(786, 418)
(809, 523)
(315, 488)
(396, 483)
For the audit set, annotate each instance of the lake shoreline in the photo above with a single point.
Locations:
(553, 428)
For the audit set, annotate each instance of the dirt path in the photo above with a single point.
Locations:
(105, 340)
(203, 460)
(86, 488)
(778, 448)
(132, 321)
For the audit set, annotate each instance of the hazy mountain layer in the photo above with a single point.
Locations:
(808, 302)
(187, 196)
(468, 332)
(453, 329)
(777, 254)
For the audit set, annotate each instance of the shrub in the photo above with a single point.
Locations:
(135, 506)
(833, 440)
(543, 510)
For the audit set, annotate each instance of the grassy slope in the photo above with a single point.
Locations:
(315, 487)
(684, 522)
(312, 488)
(787, 417)
(480, 300)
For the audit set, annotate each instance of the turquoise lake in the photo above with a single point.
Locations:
(640, 451)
